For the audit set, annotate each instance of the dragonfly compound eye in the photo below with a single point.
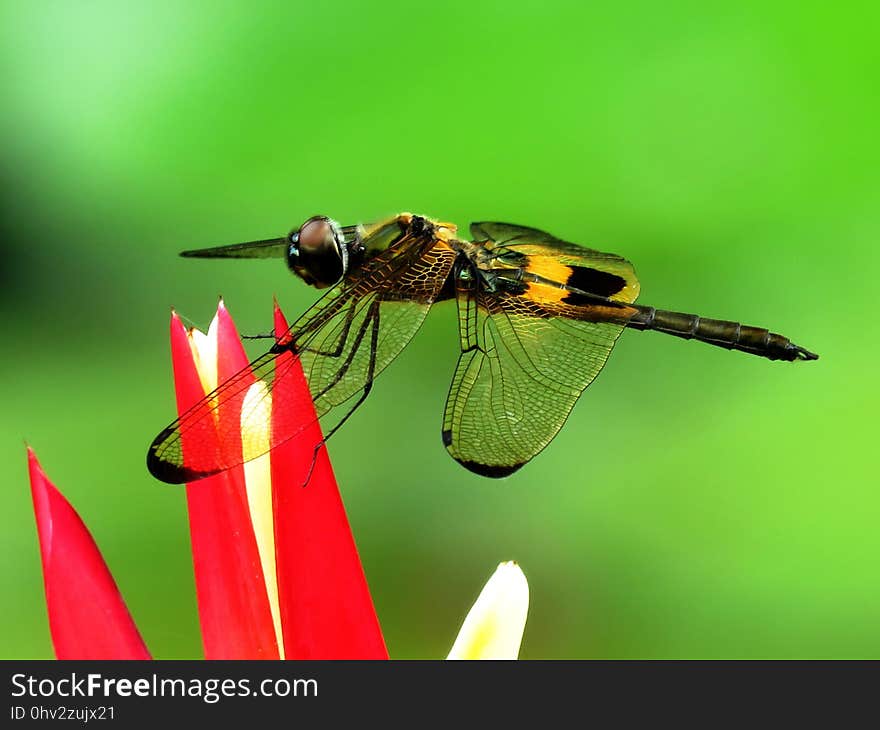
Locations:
(317, 253)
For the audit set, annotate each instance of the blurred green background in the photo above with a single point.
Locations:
(699, 503)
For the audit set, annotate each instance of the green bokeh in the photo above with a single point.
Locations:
(699, 503)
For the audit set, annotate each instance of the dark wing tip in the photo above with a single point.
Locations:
(162, 470)
(168, 471)
(494, 471)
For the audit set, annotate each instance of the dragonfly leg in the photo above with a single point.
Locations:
(368, 386)
(362, 331)
(343, 337)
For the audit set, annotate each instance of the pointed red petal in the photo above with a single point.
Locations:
(326, 608)
(87, 616)
(233, 604)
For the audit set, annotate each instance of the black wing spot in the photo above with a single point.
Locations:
(592, 281)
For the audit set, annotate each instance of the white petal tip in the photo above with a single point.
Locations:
(494, 627)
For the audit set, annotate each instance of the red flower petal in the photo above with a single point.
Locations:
(87, 617)
(326, 608)
(233, 604)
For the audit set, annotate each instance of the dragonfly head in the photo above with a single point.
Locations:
(317, 253)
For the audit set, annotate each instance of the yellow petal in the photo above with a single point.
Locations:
(494, 627)
(204, 350)
(256, 410)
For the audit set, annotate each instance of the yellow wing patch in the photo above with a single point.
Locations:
(601, 274)
(549, 267)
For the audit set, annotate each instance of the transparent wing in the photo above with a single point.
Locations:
(271, 248)
(518, 377)
(343, 342)
(528, 352)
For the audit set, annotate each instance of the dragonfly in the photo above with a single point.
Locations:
(537, 318)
